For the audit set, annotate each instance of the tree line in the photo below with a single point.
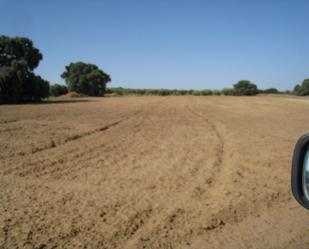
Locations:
(235, 91)
(19, 83)
(243, 87)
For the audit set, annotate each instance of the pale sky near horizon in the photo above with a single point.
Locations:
(169, 44)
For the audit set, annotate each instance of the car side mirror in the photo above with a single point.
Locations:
(300, 171)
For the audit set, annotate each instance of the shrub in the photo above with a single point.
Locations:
(270, 90)
(303, 89)
(164, 92)
(228, 91)
(216, 92)
(196, 93)
(206, 92)
(57, 90)
(175, 92)
(183, 92)
(245, 87)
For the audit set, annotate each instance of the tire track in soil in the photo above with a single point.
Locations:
(88, 133)
(136, 222)
(230, 213)
(89, 160)
(220, 146)
(186, 187)
(53, 166)
(138, 120)
(165, 225)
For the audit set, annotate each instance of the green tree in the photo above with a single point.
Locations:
(305, 87)
(245, 87)
(302, 89)
(85, 78)
(196, 93)
(297, 89)
(206, 92)
(57, 90)
(216, 92)
(270, 90)
(18, 83)
(228, 91)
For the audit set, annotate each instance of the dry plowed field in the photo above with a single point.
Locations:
(152, 172)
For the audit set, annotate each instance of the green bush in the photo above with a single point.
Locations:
(270, 90)
(175, 92)
(118, 91)
(183, 92)
(303, 89)
(164, 92)
(245, 87)
(57, 90)
(206, 92)
(216, 92)
(196, 93)
(228, 91)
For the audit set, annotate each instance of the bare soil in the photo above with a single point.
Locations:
(151, 172)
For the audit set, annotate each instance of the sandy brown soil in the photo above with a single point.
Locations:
(152, 172)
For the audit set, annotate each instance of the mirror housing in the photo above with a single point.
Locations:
(298, 171)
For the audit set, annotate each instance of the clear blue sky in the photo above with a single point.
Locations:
(171, 44)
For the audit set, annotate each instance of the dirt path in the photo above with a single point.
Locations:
(151, 172)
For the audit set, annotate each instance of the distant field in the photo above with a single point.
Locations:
(152, 172)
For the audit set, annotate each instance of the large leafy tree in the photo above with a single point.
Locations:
(302, 89)
(245, 87)
(85, 78)
(18, 83)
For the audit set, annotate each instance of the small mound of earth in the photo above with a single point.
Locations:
(72, 95)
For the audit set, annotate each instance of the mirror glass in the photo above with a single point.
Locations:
(306, 175)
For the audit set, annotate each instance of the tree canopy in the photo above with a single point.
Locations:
(228, 91)
(85, 78)
(302, 89)
(18, 83)
(57, 90)
(270, 90)
(245, 87)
